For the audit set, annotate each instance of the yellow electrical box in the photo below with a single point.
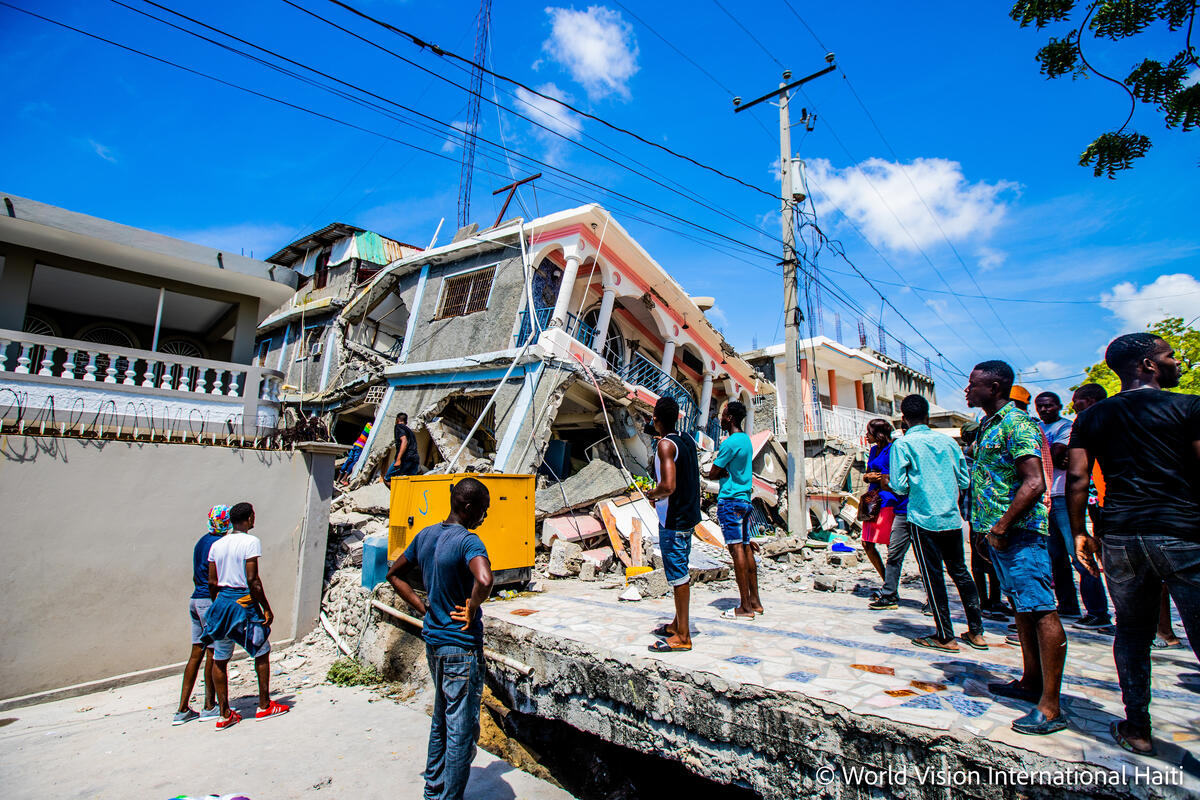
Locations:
(508, 532)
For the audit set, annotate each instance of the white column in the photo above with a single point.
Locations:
(668, 356)
(705, 397)
(605, 317)
(561, 305)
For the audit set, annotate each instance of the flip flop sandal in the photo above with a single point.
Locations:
(662, 632)
(1160, 643)
(729, 613)
(1115, 730)
(933, 644)
(1035, 723)
(661, 646)
(969, 643)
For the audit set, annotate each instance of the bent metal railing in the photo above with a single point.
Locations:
(65, 383)
(640, 371)
(583, 333)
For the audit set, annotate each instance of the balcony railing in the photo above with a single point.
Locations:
(583, 333)
(848, 425)
(66, 384)
(640, 371)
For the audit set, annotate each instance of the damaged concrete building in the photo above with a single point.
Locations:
(515, 349)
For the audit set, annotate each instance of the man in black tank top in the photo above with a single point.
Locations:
(677, 500)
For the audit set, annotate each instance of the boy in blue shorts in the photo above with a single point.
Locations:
(733, 469)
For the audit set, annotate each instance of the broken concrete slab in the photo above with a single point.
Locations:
(374, 499)
(349, 519)
(576, 527)
(703, 568)
(780, 545)
(601, 558)
(651, 584)
(631, 594)
(587, 571)
(598, 480)
(825, 583)
(565, 559)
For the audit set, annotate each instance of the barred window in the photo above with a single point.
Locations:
(466, 294)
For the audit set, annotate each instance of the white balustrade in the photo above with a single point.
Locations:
(90, 368)
(148, 375)
(199, 387)
(4, 343)
(130, 373)
(166, 376)
(23, 359)
(185, 379)
(47, 362)
(217, 375)
(234, 390)
(68, 369)
(110, 371)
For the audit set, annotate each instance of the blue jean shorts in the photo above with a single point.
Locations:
(197, 608)
(254, 638)
(1023, 568)
(676, 549)
(734, 515)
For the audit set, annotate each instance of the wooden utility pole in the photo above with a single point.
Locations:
(797, 496)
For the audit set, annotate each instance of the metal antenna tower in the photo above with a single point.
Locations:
(483, 23)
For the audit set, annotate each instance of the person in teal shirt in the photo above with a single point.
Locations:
(733, 469)
(930, 469)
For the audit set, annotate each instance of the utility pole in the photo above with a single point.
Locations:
(796, 494)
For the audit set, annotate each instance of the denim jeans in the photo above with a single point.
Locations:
(898, 543)
(1063, 565)
(458, 690)
(1137, 566)
(935, 548)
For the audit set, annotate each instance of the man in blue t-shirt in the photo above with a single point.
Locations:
(458, 579)
(733, 469)
(198, 604)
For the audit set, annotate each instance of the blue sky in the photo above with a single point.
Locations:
(972, 188)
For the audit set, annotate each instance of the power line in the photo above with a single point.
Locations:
(421, 43)
(681, 53)
(746, 31)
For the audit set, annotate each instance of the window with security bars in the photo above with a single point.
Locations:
(466, 294)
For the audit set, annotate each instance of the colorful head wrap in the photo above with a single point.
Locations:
(218, 520)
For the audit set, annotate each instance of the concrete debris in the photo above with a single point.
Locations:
(349, 519)
(601, 558)
(780, 546)
(374, 499)
(631, 594)
(565, 559)
(598, 480)
(842, 559)
(651, 584)
(577, 527)
(587, 571)
(825, 583)
(804, 582)
(536, 586)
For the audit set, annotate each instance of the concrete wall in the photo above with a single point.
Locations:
(481, 332)
(96, 550)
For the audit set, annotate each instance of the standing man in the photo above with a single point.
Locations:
(930, 470)
(733, 469)
(1061, 546)
(239, 614)
(1007, 484)
(1147, 442)
(458, 579)
(1091, 587)
(408, 460)
(198, 605)
(677, 500)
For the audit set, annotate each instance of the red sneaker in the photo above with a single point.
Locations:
(227, 722)
(272, 710)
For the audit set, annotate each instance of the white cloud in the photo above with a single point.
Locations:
(990, 259)
(455, 139)
(1176, 295)
(880, 198)
(1192, 77)
(260, 239)
(596, 46)
(717, 317)
(103, 151)
(1044, 369)
(549, 113)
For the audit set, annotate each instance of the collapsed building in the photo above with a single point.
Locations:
(531, 347)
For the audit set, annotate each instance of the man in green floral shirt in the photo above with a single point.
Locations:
(1006, 505)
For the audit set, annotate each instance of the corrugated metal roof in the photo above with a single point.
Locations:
(328, 235)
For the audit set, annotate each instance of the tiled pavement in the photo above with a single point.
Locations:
(831, 647)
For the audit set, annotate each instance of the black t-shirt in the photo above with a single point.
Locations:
(1144, 443)
(411, 456)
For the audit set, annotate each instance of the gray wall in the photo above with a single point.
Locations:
(481, 332)
(96, 550)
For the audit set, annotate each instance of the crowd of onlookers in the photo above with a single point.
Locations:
(1111, 497)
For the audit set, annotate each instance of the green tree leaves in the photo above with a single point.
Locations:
(1154, 81)
(1183, 339)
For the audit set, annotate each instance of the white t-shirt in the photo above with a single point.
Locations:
(229, 553)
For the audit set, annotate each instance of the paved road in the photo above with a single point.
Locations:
(336, 743)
